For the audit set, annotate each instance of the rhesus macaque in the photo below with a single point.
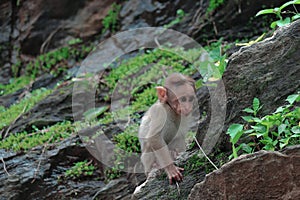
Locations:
(163, 127)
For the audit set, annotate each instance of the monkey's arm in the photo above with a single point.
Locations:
(154, 137)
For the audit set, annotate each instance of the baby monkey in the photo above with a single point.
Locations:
(164, 126)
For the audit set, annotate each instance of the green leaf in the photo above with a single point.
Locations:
(246, 148)
(248, 110)
(295, 17)
(281, 128)
(284, 22)
(273, 24)
(259, 128)
(289, 3)
(255, 104)
(279, 109)
(248, 118)
(292, 98)
(265, 11)
(249, 131)
(296, 129)
(235, 132)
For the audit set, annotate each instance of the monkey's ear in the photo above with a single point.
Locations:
(162, 94)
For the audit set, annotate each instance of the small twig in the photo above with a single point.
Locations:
(40, 160)
(47, 41)
(205, 153)
(157, 42)
(178, 188)
(4, 167)
(215, 28)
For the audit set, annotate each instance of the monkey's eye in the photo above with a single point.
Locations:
(183, 99)
(192, 98)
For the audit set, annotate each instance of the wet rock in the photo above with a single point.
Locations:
(158, 187)
(35, 175)
(115, 189)
(145, 13)
(259, 70)
(262, 175)
(231, 20)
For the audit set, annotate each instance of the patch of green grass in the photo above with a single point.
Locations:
(127, 145)
(26, 141)
(80, 170)
(111, 19)
(128, 140)
(8, 115)
(14, 85)
(55, 61)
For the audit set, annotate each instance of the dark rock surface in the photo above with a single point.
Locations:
(262, 175)
(268, 70)
(35, 174)
(158, 187)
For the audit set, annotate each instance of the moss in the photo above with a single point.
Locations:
(26, 141)
(79, 170)
(14, 85)
(14, 111)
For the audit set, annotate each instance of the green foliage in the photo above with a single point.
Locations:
(26, 141)
(55, 61)
(80, 170)
(213, 5)
(194, 163)
(271, 132)
(197, 162)
(278, 11)
(74, 41)
(179, 17)
(111, 19)
(14, 85)
(215, 51)
(128, 140)
(127, 145)
(10, 114)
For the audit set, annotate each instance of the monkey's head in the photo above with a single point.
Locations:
(179, 93)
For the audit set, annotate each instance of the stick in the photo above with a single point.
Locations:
(204, 153)
(4, 166)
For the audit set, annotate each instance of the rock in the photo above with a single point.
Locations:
(259, 70)
(262, 175)
(115, 189)
(157, 186)
(35, 175)
(231, 21)
(137, 14)
(55, 108)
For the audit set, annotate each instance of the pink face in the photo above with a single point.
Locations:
(184, 101)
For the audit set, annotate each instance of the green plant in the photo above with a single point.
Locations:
(80, 170)
(128, 140)
(214, 4)
(179, 17)
(14, 85)
(26, 141)
(127, 145)
(14, 111)
(271, 132)
(278, 11)
(111, 19)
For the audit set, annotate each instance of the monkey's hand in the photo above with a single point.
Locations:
(174, 173)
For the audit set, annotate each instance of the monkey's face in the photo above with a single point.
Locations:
(182, 100)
